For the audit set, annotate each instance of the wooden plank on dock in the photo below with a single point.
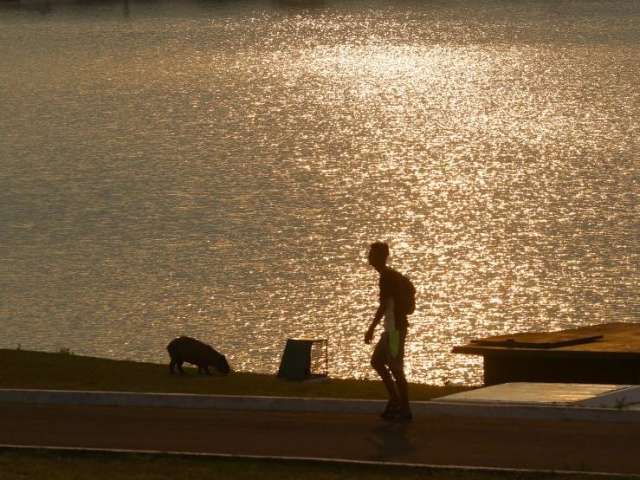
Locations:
(536, 340)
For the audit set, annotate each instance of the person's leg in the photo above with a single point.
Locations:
(402, 388)
(379, 364)
(397, 369)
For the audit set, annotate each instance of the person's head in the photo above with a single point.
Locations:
(378, 254)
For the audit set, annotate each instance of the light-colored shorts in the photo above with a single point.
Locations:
(384, 351)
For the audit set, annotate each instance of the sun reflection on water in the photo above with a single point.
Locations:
(221, 175)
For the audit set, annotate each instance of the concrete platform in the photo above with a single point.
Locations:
(607, 353)
(550, 394)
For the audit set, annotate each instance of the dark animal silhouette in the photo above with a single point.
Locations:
(190, 350)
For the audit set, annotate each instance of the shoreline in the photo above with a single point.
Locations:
(27, 369)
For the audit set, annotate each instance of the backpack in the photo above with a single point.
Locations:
(407, 295)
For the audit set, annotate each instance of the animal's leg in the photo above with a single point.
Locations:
(179, 363)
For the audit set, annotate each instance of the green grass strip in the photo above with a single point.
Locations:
(72, 465)
(63, 371)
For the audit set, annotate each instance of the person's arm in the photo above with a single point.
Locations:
(374, 323)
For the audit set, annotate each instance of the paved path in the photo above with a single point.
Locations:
(566, 445)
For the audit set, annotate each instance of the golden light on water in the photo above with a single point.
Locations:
(226, 183)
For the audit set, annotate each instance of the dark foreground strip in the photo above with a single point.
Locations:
(424, 468)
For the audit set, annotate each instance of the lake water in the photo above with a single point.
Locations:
(218, 169)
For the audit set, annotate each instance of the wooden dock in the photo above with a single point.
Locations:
(608, 353)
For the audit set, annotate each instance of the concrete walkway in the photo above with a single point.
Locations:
(320, 405)
(436, 437)
(429, 439)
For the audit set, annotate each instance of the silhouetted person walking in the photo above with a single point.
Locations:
(397, 300)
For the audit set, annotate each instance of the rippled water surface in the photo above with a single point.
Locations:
(218, 169)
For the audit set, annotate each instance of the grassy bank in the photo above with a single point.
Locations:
(27, 369)
(16, 465)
